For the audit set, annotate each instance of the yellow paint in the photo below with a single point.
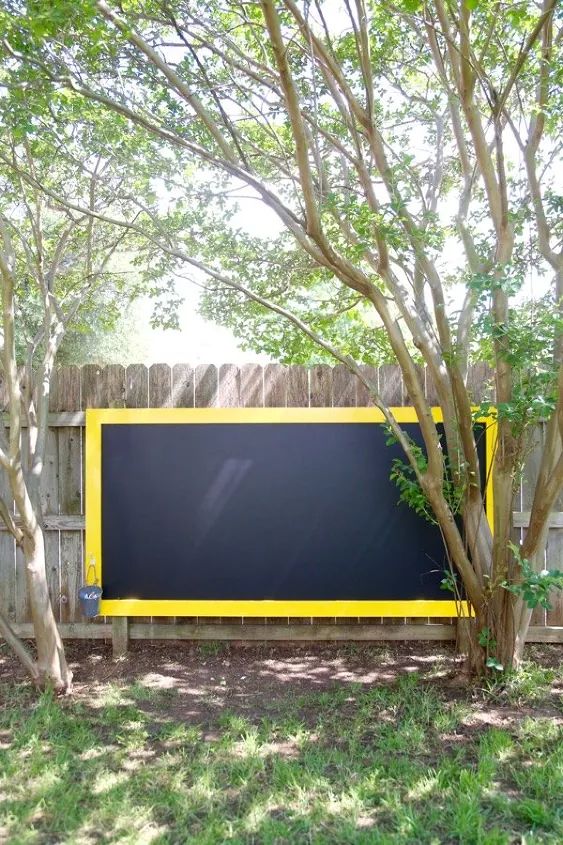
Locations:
(162, 607)
(97, 417)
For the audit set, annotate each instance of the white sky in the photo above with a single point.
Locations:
(201, 341)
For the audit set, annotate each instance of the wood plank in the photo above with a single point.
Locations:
(160, 386)
(49, 484)
(76, 630)
(480, 383)
(554, 560)
(522, 519)
(23, 613)
(300, 633)
(275, 386)
(70, 499)
(182, 386)
(7, 555)
(119, 636)
(391, 384)
(229, 386)
(295, 633)
(92, 387)
(114, 376)
(430, 387)
(344, 387)
(70, 476)
(57, 522)
(206, 384)
(422, 379)
(136, 386)
(53, 569)
(252, 386)
(71, 557)
(68, 388)
(363, 398)
(320, 386)
(49, 495)
(297, 387)
(58, 419)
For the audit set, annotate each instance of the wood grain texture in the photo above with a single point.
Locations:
(251, 386)
(182, 386)
(363, 397)
(297, 387)
(114, 376)
(391, 384)
(294, 633)
(136, 386)
(275, 386)
(93, 387)
(160, 386)
(344, 387)
(229, 386)
(320, 386)
(206, 382)
(554, 561)
(7, 556)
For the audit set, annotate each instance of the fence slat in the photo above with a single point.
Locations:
(554, 561)
(229, 386)
(114, 375)
(297, 387)
(182, 386)
(22, 602)
(7, 557)
(251, 386)
(480, 383)
(70, 496)
(93, 387)
(320, 386)
(391, 384)
(275, 386)
(344, 384)
(363, 398)
(529, 480)
(160, 386)
(136, 386)
(206, 384)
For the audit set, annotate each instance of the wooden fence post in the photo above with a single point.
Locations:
(119, 635)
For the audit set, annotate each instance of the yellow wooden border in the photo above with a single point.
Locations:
(97, 417)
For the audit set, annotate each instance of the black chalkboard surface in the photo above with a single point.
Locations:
(286, 511)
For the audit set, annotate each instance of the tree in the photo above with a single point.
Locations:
(383, 137)
(52, 264)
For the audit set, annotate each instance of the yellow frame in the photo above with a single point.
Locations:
(96, 418)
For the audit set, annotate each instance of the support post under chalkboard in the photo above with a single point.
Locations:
(120, 635)
(463, 635)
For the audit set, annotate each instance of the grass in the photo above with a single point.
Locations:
(392, 763)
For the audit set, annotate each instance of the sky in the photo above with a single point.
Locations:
(201, 341)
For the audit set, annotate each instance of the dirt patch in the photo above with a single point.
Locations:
(196, 682)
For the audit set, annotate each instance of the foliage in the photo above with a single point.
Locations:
(534, 587)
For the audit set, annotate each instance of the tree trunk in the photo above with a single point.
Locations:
(51, 662)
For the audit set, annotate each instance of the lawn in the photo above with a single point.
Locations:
(210, 744)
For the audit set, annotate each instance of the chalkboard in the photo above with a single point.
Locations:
(251, 512)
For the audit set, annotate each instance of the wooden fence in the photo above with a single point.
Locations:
(251, 385)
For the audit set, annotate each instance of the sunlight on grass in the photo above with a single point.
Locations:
(397, 763)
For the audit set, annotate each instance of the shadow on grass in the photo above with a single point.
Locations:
(394, 763)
